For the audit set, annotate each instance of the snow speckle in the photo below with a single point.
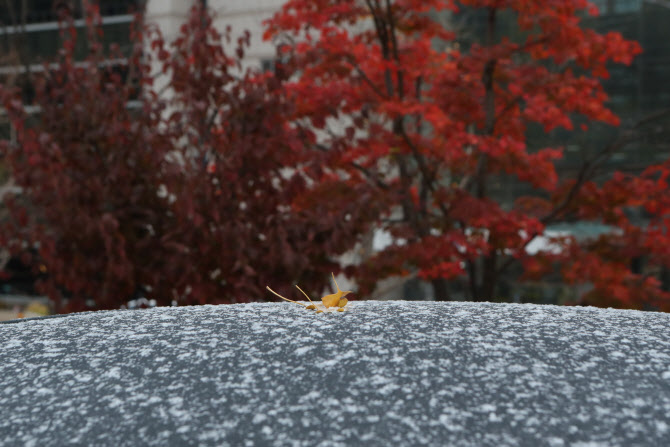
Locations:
(382, 373)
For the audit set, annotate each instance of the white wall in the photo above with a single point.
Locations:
(239, 14)
(248, 15)
(168, 15)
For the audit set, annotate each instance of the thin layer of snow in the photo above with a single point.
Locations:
(383, 373)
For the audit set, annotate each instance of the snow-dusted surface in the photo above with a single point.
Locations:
(384, 373)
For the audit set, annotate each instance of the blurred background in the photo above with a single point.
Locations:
(639, 94)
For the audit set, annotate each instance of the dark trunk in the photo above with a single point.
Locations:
(489, 277)
(665, 279)
(440, 289)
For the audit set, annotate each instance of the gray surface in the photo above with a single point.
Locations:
(385, 373)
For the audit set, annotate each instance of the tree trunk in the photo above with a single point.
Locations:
(440, 289)
(489, 277)
(665, 279)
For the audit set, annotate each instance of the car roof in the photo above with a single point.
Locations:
(382, 373)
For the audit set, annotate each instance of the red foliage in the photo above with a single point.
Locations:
(184, 197)
(376, 118)
(236, 224)
(420, 127)
(87, 166)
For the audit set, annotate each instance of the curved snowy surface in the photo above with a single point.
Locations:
(385, 373)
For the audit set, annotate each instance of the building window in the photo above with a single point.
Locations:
(627, 5)
(617, 6)
(267, 65)
(36, 11)
(118, 7)
(601, 5)
(12, 12)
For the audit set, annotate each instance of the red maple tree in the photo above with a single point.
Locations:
(124, 191)
(413, 126)
(236, 226)
(87, 166)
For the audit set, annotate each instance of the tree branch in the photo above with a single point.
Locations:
(587, 170)
(365, 77)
